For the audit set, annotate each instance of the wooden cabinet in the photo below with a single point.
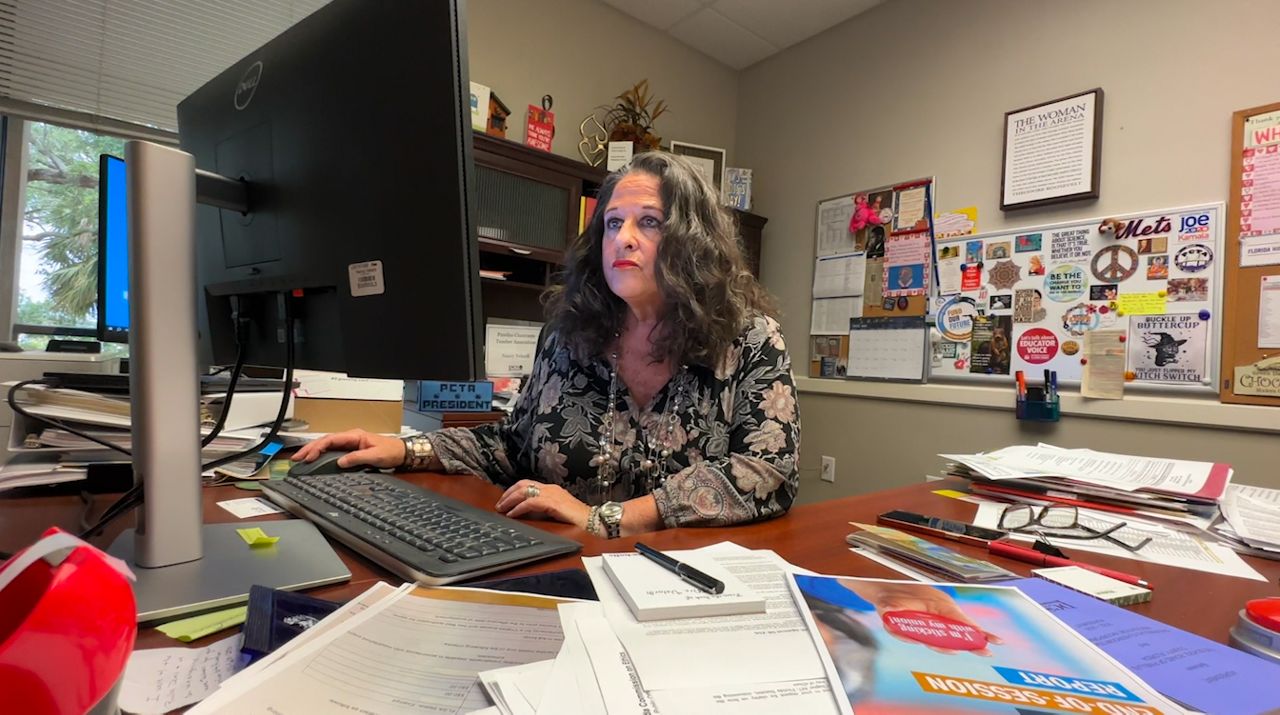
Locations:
(527, 205)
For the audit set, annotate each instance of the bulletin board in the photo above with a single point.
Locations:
(1251, 342)
(1155, 274)
(873, 258)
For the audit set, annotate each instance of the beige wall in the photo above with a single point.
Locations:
(584, 53)
(919, 87)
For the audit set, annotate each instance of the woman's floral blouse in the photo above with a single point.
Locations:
(733, 455)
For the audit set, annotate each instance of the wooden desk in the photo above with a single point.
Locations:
(811, 536)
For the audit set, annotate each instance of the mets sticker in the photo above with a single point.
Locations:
(955, 318)
(1004, 274)
(1080, 318)
(1065, 283)
(1037, 346)
(1193, 258)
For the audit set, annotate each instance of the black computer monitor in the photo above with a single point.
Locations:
(113, 251)
(347, 141)
(352, 130)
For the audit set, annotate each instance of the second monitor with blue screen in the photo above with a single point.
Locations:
(113, 252)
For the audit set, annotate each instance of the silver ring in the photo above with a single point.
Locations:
(531, 491)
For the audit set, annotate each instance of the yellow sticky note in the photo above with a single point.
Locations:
(1142, 303)
(189, 629)
(256, 537)
(951, 494)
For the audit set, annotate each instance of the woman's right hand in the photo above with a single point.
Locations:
(374, 450)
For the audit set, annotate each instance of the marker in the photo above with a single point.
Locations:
(687, 573)
(1053, 382)
(1031, 556)
(1022, 385)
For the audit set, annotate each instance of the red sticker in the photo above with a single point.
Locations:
(1037, 346)
(971, 276)
(934, 630)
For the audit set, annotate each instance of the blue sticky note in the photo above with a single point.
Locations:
(1205, 675)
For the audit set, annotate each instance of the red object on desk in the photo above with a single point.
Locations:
(1031, 556)
(67, 626)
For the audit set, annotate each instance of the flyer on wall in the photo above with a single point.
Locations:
(906, 647)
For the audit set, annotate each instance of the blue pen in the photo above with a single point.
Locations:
(1053, 385)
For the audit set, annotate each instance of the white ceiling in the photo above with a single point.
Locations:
(740, 33)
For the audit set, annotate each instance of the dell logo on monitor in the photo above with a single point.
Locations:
(248, 84)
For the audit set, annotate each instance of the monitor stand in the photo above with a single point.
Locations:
(182, 565)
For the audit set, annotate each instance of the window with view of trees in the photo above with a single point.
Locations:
(59, 271)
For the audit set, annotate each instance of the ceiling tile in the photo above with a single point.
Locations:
(661, 14)
(783, 24)
(713, 34)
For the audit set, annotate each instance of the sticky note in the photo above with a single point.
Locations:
(189, 629)
(256, 537)
(951, 494)
(1142, 303)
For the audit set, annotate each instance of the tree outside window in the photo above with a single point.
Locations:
(58, 286)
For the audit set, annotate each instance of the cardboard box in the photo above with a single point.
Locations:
(332, 415)
(333, 402)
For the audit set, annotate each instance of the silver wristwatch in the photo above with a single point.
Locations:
(417, 453)
(611, 518)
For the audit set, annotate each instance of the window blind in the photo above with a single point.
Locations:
(130, 61)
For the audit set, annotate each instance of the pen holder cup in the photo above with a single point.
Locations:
(1038, 410)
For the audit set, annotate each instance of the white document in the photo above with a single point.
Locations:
(840, 275)
(950, 271)
(833, 226)
(249, 507)
(910, 208)
(1117, 471)
(256, 673)
(623, 693)
(718, 650)
(158, 680)
(509, 350)
(340, 386)
(1168, 546)
(508, 686)
(1269, 312)
(811, 697)
(416, 652)
(571, 688)
(1254, 514)
(831, 315)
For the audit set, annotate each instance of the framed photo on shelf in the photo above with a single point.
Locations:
(1052, 152)
(708, 159)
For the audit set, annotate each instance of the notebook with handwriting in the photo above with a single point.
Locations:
(654, 593)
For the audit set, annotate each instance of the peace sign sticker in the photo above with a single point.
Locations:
(1114, 263)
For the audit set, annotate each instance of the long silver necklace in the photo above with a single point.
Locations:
(608, 460)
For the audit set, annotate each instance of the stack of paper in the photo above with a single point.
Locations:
(612, 663)
(1252, 520)
(1156, 487)
(46, 455)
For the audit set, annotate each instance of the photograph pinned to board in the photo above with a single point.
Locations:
(829, 355)
(1081, 279)
(1052, 152)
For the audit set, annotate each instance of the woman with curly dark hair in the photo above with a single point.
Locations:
(662, 393)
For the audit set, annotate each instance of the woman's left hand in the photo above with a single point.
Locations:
(552, 502)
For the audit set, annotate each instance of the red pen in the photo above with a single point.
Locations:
(1031, 556)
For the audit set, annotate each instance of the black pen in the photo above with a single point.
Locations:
(686, 572)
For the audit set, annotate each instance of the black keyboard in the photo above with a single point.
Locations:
(417, 534)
